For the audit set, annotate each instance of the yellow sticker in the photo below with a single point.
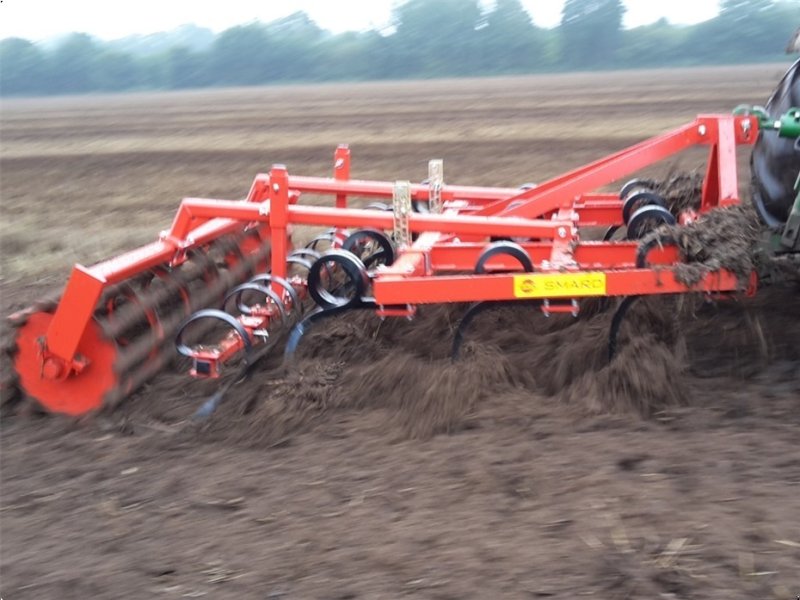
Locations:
(559, 285)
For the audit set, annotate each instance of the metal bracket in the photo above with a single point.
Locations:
(435, 184)
(790, 238)
(401, 209)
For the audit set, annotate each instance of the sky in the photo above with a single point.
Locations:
(110, 19)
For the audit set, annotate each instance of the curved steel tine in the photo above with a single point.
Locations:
(302, 327)
(616, 322)
(211, 313)
(473, 311)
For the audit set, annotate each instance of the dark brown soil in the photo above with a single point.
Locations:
(373, 466)
(672, 470)
(725, 238)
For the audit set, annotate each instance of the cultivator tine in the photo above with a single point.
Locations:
(473, 311)
(616, 323)
(237, 292)
(128, 337)
(296, 305)
(320, 314)
(336, 280)
(213, 402)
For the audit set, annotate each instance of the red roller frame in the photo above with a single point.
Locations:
(427, 270)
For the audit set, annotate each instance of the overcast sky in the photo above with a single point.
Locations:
(109, 19)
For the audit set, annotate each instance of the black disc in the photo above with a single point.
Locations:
(347, 292)
(646, 185)
(359, 244)
(647, 218)
(508, 248)
(635, 201)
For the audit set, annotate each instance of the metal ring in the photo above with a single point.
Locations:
(610, 233)
(353, 268)
(373, 259)
(293, 296)
(643, 215)
(323, 237)
(638, 200)
(306, 253)
(296, 260)
(211, 313)
(644, 184)
(510, 248)
(254, 287)
(387, 249)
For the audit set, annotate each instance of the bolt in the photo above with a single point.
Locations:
(275, 187)
(562, 232)
(52, 368)
(702, 130)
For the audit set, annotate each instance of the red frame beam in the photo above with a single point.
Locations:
(390, 290)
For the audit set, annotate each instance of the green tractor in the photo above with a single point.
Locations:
(775, 162)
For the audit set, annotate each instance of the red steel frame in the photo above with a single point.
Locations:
(431, 269)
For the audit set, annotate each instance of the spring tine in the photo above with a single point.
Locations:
(302, 327)
(237, 292)
(295, 304)
(616, 322)
(473, 311)
(211, 404)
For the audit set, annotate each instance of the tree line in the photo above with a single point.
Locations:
(428, 38)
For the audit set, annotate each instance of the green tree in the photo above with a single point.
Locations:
(510, 41)
(351, 55)
(23, 67)
(74, 65)
(186, 69)
(436, 37)
(240, 55)
(117, 71)
(295, 48)
(744, 31)
(657, 44)
(591, 32)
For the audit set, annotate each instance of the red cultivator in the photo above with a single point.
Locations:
(233, 262)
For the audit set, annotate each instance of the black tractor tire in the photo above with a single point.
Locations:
(775, 161)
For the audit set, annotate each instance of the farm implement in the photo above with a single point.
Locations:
(217, 284)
